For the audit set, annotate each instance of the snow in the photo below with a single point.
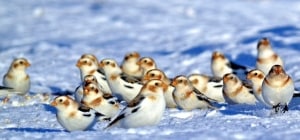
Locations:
(179, 34)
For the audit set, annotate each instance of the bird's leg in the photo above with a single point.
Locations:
(276, 108)
(285, 108)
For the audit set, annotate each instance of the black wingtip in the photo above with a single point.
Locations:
(296, 95)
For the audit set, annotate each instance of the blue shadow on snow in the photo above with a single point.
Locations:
(40, 130)
(278, 31)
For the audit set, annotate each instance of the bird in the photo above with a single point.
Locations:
(16, 76)
(103, 103)
(146, 109)
(73, 117)
(129, 65)
(209, 86)
(266, 57)
(220, 65)
(156, 74)
(146, 64)
(79, 90)
(256, 77)
(87, 66)
(278, 89)
(187, 97)
(121, 88)
(236, 92)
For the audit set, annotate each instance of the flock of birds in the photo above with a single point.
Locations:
(136, 93)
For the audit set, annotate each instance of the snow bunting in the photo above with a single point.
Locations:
(79, 90)
(144, 110)
(209, 86)
(129, 65)
(71, 115)
(156, 74)
(220, 65)
(119, 86)
(235, 92)
(266, 57)
(278, 89)
(256, 77)
(104, 103)
(16, 77)
(87, 66)
(187, 97)
(146, 64)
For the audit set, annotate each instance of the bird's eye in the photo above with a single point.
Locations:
(180, 81)
(85, 62)
(231, 77)
(107, 63)
(156, 84)
(60, 100)
(145, 61)
(152, 75)
(255, 74)
(21, 62)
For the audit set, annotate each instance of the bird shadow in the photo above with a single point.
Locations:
(58, 91)
(243, 109)
(49, 108)
(40, 130)
(246, 59)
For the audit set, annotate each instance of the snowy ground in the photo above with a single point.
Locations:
(179, 34)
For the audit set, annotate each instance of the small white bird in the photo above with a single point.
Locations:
(103, 103)
(87, 80)
(257, 77)
(119, 86)
(220, 65)
(187, 97)
(71, 116)
(156, 74)
(266, 57)
(235, 92)
(144, 110)
(16, 77)
(209, 86)
(129, 65)
(87, 66)
(146, 64)
(278, 89)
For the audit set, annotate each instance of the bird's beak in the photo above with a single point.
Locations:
(174, 83)
(248, 76)
(225, 79)
(27, 64)
(146, 78)
(79, 64)
(101, 64)
(138, 63)
(165, 86)
(278, 71)
(265, 42)
(85, 91)
(53, 103)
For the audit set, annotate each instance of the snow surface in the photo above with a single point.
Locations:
(179, 34)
